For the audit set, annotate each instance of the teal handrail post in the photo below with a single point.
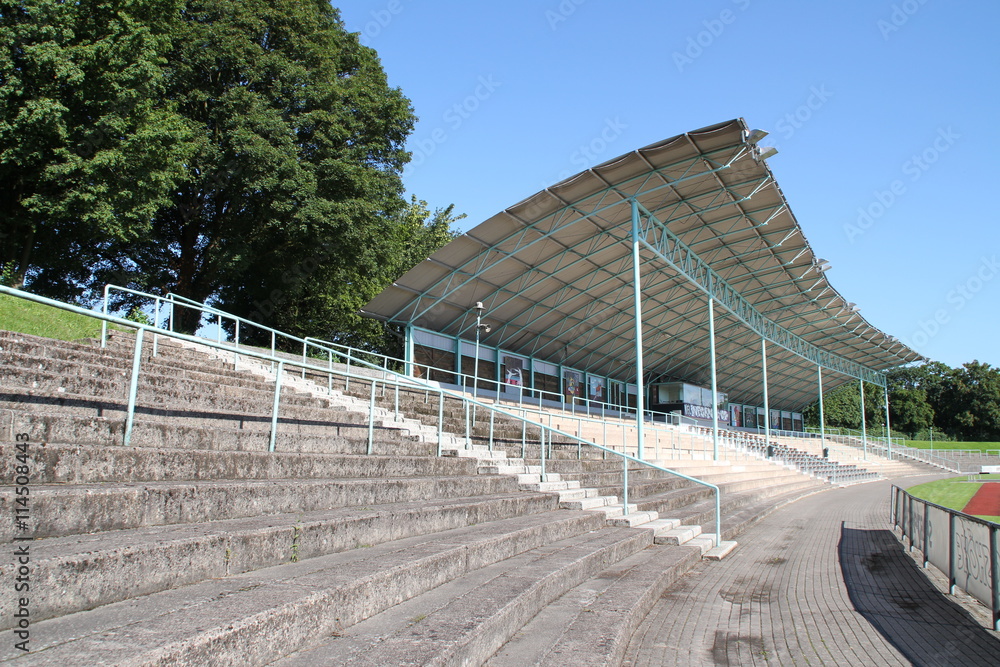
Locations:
(274, 408)
(541, 449)
(156, 325)
(104, 323)
(625, 487)
(492, 420)
(440, 421)
(371, 419)
(133, 386)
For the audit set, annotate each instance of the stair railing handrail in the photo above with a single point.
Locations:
(344, 350)
(400, 379)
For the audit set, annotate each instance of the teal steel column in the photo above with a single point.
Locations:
(715, 388)
(640, 389)
(864, 431)
(822, 425)
(408, 350)
(888, 427)
(767, 409)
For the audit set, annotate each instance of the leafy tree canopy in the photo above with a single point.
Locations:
(243, 152)
(88, 148)
(963, 403)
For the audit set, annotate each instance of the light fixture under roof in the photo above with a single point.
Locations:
(766, 152)
(756, 135)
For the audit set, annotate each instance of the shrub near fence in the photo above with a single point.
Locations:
(961, 546)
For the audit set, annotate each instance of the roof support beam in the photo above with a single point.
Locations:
(670, 249)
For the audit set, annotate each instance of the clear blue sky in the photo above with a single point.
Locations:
(885, 114)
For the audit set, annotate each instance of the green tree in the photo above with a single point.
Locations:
(842, 407)
(910, 411)
(88, 149)
(974, 403)
(307, 292)
(290, 195)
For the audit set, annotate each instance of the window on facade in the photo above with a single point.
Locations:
(436, 365)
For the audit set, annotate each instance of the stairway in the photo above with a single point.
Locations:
(197, 545)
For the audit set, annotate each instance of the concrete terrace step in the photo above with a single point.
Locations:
(588, 503)
(129, 563)
(257, 617)
(239, 433)
(78, 464)
(73, 509)
(679, 535)
(467, 620)
(591, 625)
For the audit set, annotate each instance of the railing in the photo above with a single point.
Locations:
(963, 547)
(388, 378)
(503, 392)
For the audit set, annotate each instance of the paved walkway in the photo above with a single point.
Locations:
(822, 581)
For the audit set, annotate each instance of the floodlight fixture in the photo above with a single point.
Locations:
(766, 152)
(756, 135)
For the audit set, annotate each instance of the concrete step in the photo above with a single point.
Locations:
(85, 463)
(129, 563)
(576, 494)
(615, 509)
(475, 452)
(492, 468)
(257, 617)
(467, 620)
(680, 535)
(589, 503)
(239, 433)
(71, 509)
(549, 486)
(633, 519)
(591, 625)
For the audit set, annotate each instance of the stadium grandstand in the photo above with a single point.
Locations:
(669, 279)
(601, 390)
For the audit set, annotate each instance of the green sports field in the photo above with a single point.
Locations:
(991, 447)
(954, 493)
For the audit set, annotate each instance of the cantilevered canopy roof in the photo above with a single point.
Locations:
(554, 273)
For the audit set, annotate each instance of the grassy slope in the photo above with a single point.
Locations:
(39, 320)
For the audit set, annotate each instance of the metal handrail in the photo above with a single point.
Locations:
(589, 405)
(398, 380)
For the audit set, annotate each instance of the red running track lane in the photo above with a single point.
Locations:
(986, 502)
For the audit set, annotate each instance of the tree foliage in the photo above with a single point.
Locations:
(246, 153)
(842, 407)
(963, 403)
(88, 149)
(296, 176)
(295, 295)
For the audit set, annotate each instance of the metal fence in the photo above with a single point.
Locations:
(961, 546)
